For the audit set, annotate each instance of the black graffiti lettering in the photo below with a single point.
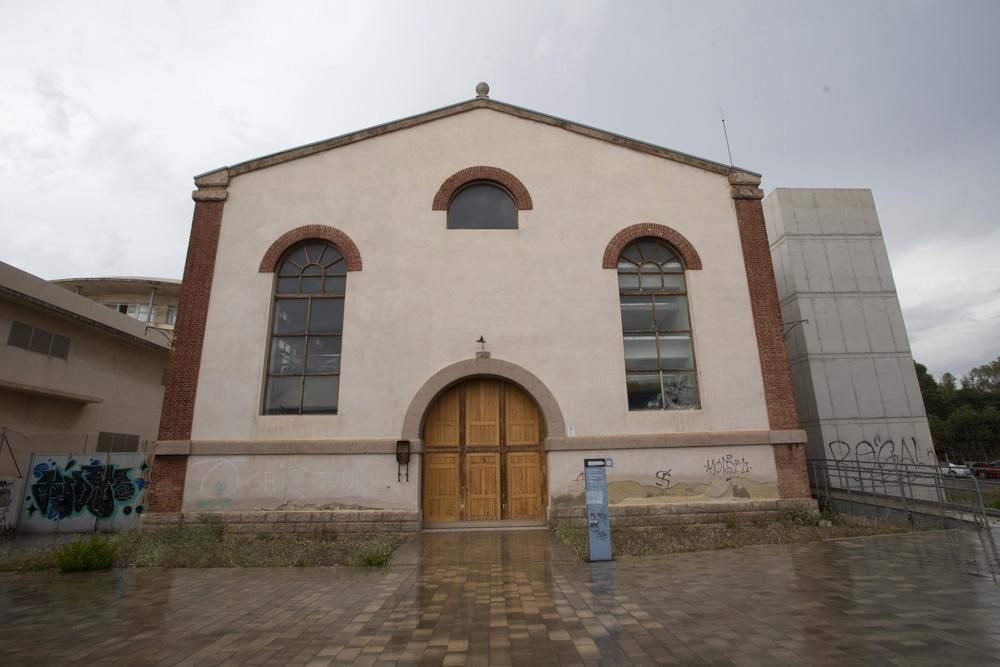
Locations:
(888, 464)
(664, 478)
(840, 450)
(96, 489)
(728, 466)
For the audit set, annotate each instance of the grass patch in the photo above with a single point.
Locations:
(97, 553)
(205, 544)
(796, 525)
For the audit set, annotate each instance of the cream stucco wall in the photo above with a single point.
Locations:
(669, 475)
(297, 482)
(538, 294)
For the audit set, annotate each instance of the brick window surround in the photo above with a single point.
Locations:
(455, 182)
(690, 257)
(343, 243)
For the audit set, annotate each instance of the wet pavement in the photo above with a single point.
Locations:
(513, 597)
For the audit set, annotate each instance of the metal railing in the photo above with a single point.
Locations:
(915, 492)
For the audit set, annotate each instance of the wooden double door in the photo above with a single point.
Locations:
(483, 458)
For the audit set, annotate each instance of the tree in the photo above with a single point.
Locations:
(934, 403)
(985, 378)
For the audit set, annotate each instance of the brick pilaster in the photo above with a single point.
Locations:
(167, 482)
(775, 370)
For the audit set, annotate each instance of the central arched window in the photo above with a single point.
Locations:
(482, 205)
(303, 370)
(659, 355)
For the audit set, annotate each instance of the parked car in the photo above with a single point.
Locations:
(989, 470)
(955, 469)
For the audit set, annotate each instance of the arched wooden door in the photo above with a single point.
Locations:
(483, 458)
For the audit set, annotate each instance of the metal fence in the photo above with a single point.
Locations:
(967, 453)
(924, 495)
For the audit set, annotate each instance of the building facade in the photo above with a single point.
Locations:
(80, 383)
(149, 300)
(493, 295)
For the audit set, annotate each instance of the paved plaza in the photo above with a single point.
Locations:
(514, 598)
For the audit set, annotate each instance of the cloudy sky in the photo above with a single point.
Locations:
(107, 109)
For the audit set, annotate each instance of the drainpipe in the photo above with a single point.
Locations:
(152, 293)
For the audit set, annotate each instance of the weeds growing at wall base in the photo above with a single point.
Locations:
(205, 544)
(793, 526)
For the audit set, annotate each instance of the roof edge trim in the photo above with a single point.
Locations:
(221, 175)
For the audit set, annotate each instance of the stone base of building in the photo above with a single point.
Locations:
(677, 514)
(358, 522)
(407, 523)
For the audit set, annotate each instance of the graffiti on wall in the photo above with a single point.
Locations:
(8, 491)
(663, 478)
(876, 451)
(102, 490)
(728, 467)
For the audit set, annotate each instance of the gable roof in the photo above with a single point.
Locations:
(221, 176)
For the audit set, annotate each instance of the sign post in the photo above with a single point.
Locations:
(598, 528)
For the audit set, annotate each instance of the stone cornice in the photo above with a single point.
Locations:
(745, 185)
(212, 186)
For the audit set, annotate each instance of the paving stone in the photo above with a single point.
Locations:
(514, 598)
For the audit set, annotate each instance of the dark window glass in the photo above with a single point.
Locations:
(304, 359)
(290, 316)
(41, 341)
(288, 355)
(20, 335)
(60, 346)
(320, 393)
(288, 285)
(659, 352)
(644, 392)
(482, 206)
(324, 355)
(284, 395)
(327, 316)
(117, 442)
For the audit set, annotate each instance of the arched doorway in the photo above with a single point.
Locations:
(483, 458)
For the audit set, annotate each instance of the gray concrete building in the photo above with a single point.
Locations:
(855, 385)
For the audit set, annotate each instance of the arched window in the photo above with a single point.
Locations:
(482, 205)
(303, 370)
(659, 355)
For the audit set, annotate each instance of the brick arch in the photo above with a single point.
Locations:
(347, 248)
(683, 247)
(508, 180)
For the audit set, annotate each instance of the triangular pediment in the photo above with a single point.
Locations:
(220, 176)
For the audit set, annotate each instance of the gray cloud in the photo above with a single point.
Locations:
(109, 109)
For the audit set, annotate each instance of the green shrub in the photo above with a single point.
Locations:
(993, 504)
(97, 553)
(799, 514)
(373, 551)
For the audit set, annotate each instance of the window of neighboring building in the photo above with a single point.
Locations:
(38, 340)
(482, 205)
(303, 372)
(171, 315)
(117, 442)
(659, 354)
